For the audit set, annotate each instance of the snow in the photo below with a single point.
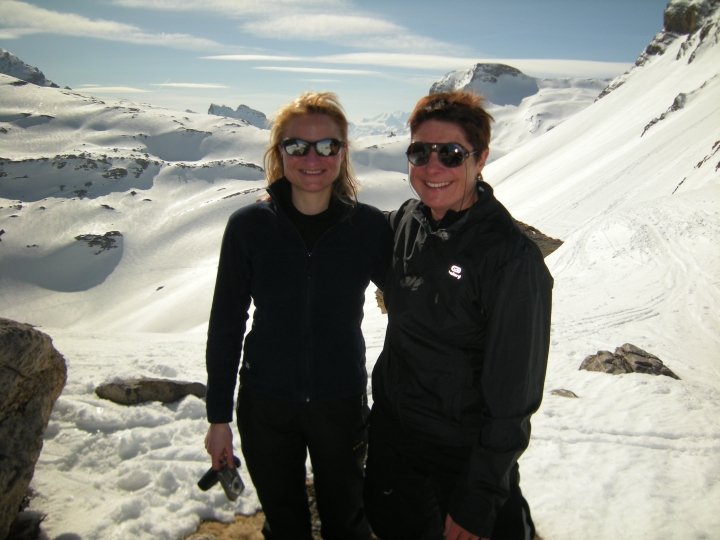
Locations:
(638, 208)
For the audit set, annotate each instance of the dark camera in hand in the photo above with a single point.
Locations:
(228, 477)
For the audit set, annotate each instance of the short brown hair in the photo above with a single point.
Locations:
(466, 109)
(327, 103)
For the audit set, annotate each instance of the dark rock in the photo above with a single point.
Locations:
(546, 243)
(107, 241)
(686, 17)
(562, 392)
(641, 361)
(32, 376)
(626, 359)
(141, 390)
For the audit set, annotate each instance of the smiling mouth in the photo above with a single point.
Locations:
(312, 172)
(437, 185)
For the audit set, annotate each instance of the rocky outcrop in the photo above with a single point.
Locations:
(141, 390)
(243, 112)
(626, 359)
(13, 66)
(687, 17)
(32, 376)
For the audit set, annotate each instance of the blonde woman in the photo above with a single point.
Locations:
(304, 257)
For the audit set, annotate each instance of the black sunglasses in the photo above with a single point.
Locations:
(300, 147)
(450, 154)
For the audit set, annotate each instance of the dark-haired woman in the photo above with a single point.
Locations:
(304, 258)
(463, 364)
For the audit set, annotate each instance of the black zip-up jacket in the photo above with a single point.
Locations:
(305, 342)
(466, 346)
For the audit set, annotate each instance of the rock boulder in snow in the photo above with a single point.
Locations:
(134, 391)
(32, 375)
(626, 359)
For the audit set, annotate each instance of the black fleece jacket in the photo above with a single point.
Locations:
(305, 342)
(466, 346)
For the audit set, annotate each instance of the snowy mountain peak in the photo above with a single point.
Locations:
(243, 112)
(499, 83)
(13, 66)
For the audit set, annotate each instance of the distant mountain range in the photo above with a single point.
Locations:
(523, 107)
(516, 101)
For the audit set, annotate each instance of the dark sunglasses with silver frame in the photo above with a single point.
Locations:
(451, 154)
(300, 147)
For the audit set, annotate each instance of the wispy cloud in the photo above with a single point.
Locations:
(313, 27)
(201, 86)
(331, 71)
(339, 22)
(434, 63)
(427, 62)
(235, 8)
(21, 18)
(255, 58)
(95, 89)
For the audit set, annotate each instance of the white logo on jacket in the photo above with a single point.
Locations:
(455, 271)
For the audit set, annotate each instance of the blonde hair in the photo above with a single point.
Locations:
(327, 103)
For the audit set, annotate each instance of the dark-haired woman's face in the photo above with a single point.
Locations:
(444, 188)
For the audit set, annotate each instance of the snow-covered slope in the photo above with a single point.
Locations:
(523, 108)
(72, 165)
(655, 134)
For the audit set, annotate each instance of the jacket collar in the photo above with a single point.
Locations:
(280, 192)
(452, 221)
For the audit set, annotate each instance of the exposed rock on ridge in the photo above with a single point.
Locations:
(686, 17)
(243, 112)
(13, 66)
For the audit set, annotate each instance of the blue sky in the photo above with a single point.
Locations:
(379, 56)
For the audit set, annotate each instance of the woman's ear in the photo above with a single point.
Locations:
(480, 164)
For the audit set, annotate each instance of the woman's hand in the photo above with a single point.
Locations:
(218, 443)
(453, 531)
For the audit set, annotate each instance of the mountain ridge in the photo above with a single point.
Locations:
(15, 67)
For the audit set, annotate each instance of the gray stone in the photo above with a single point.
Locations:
(606, 362)
(141, 390)
(562, 392)
(643, 362)
(626, 359)
(32, 376)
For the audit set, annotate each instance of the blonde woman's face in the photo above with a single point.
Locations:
(312, 173)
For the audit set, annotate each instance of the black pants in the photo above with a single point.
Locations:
(409, 484)
(275, 438)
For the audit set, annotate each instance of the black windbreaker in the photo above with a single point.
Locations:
(305, 342)
(466, 346)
